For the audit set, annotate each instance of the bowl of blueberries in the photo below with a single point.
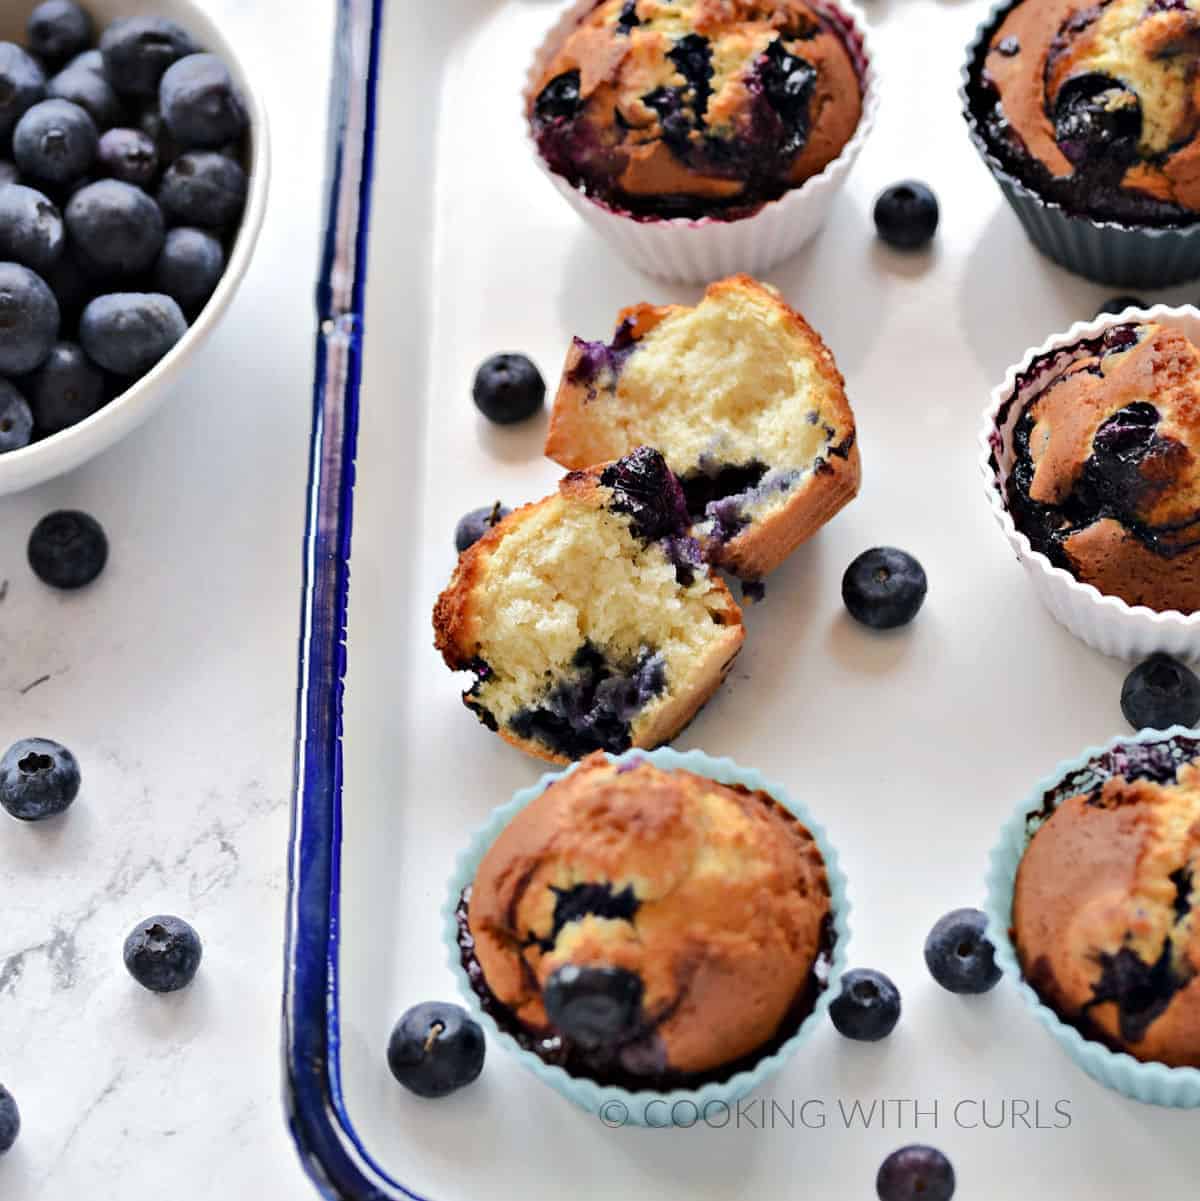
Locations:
(133, 182)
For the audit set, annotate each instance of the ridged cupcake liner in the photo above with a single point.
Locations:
(618, 1106)
(1105, 251)
(1151, 1083)
(705, 249)
(1106, 623)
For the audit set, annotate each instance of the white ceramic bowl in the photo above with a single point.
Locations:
(63, 451)
(1105, 623)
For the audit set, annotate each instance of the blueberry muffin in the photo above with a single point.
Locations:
(744, 401)
(1105, 904)
(694, 108)
(1105, 479)
(649, 929)
(1093, 105)
(590, 619)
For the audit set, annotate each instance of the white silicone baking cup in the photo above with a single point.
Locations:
(1151, 1083)
(710, 1104)
(705, 249)
(1106, 623)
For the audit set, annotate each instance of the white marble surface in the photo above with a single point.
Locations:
(173, 680)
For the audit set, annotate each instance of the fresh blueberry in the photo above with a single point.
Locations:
(1159, 693)
(8, 173)
(38, 779)
(28, 319)
(1118, 304)
(138, 50)
(67, 549)
(594, 1006)
(116, 228)
(436, 1049)
(884, 588)
(22, 85)
(90, 90)
(10, 1120)
(71, 287)
(150, 122)
(915, 1173)
(55, 141)
(65, 389)
(163, 953)
(958, 954)
(16, 419)
(508, 388)
(203, 188)
(59, 30)
(90, 60)
(128, 155)
(906, 215)
(31, 229)
(128, 332)
(201, 104)
(189, 268)
(868, 1007)
(476, 523)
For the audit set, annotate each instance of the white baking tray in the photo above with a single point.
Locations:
(911, 747)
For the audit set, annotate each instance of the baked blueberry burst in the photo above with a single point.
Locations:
(744, 401)
(1104, 478)
(590, 620)
(646, 928)
(687, 108)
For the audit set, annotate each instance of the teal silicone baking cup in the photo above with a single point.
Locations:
(1152, 1083)
(711, 1104)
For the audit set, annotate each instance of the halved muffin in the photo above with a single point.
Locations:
(589, 618)
(743, 400)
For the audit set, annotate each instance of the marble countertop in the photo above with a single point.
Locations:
(173, 680)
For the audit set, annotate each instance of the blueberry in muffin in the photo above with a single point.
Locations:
(743, 400)
(649, 929)
(1091, 105)
(692, 108)
(1105, 480)
(1105, 902)
(589, 618)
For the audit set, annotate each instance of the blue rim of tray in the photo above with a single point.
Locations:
(330, 1149)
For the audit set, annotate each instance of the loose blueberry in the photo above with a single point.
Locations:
(203, 188)
(38, 779)
(906, 215)
(10, 1120)
(67, 549)
(89, 60)
(55, 141)
(884, 588)
(508, 388)
(1118, 304)
(89, 89)
(163, 953)
(128, 155)
(436, 1049)
(1159, 693)
(31, 229)
(915, 1173)
(868, 1007)
(476, 523)
(958, 954)
(189, 268)
(138, 50)
(116, 228)
(594, 1006)
(128, 332)
(66, 388)
(28, 320)
(58, 30)
(22, 85)
(16, 419)
(201, 104)
(71, 287)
